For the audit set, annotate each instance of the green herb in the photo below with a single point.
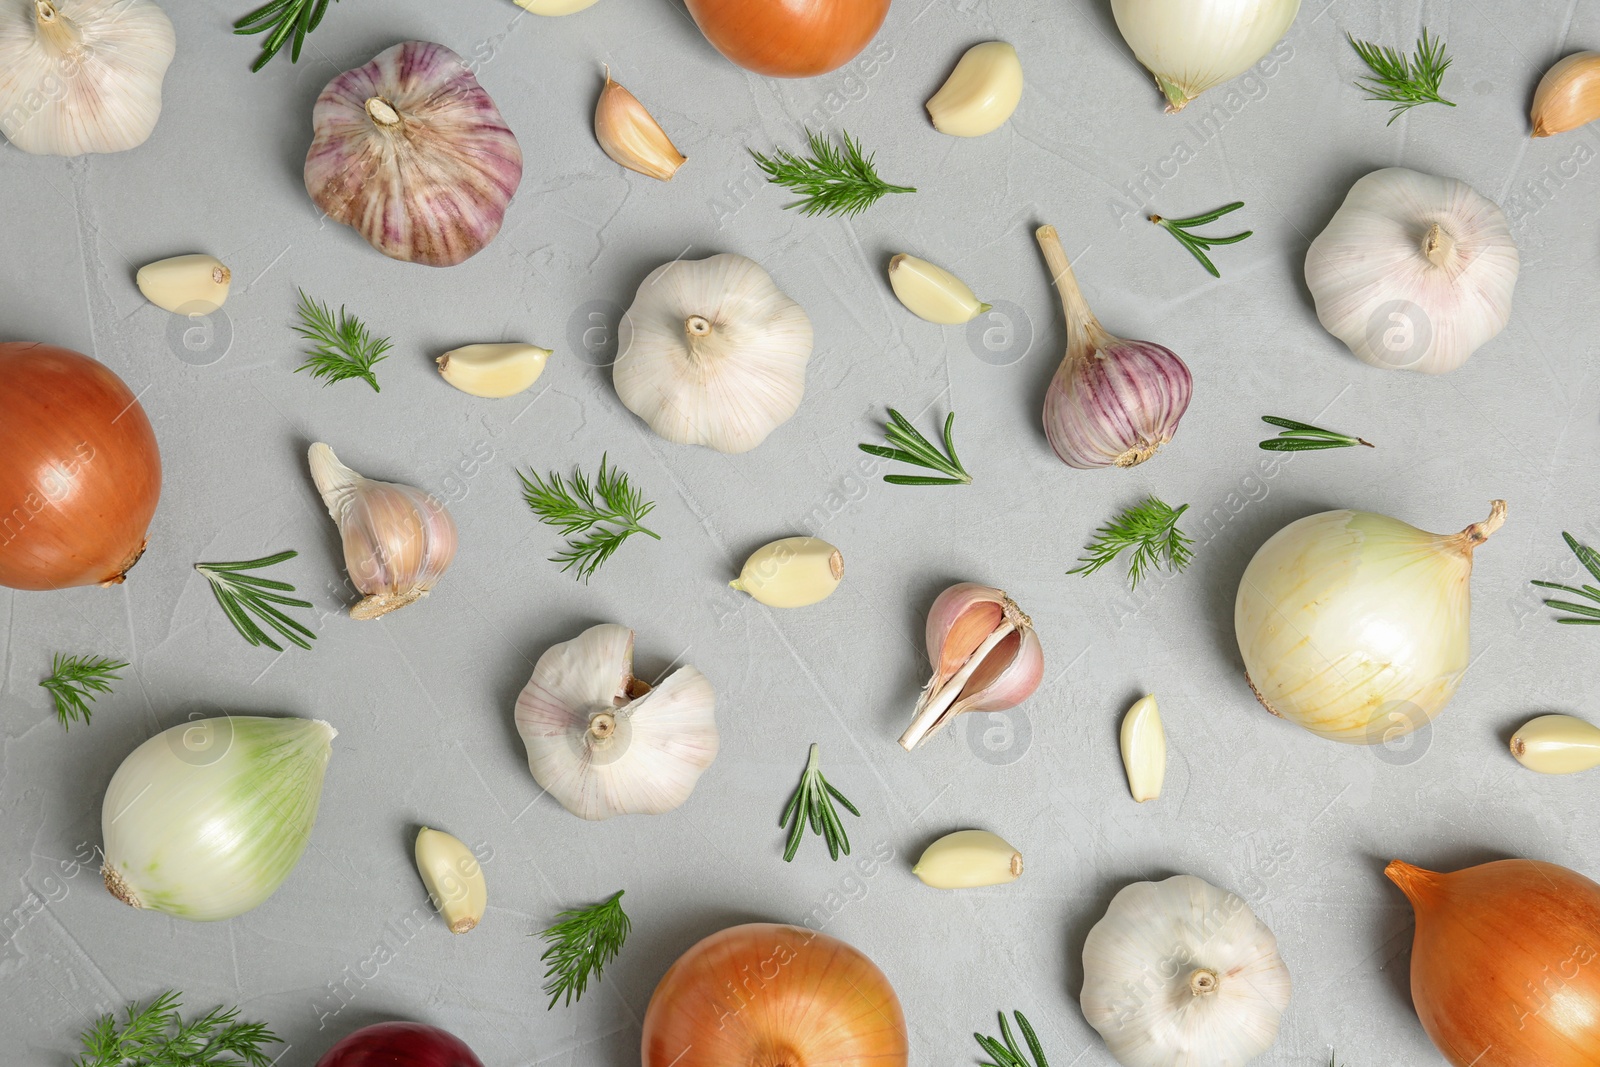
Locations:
(282, 18)
(1403, 82)
(74, 680)
(242, 595)
(1151, 530)
(906, 445)
(344, 349)
(832, 181)
(157, 1036)
(582, 942)
(1196, 243)
(1007, 1054)
(605, 523)
(1583, 614)
(812, 804)
(1301, 437)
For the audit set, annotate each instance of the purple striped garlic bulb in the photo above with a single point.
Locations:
(412, 154)
(1112, 403)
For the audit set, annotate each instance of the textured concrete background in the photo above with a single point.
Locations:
(1299, 826)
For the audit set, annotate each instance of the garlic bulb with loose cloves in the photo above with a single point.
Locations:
(1568, 95)
(712, 353)
(603, 742)
(398, 540)
(1414, 271)
(412, 154)
(631, 136)
(1112, 403)
(81, 76)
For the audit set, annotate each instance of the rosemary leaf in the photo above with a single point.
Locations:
(74, 681)
(907, 445)
(1198, 243)
(1005, 1052)
(1401, 81)
(281, 19)
(244, 595)
(812, 805)
(1302, 437)
(833, 181)
(1585, 613)
(581, 942)
(1150, 529)
(344, 347)
(594, 528)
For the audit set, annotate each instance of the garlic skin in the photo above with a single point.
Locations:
(398, 540)
(185, 285)
(968, 859)
(604, 743)
(631, 136)
(712, 353)
(1144, 749)
(1413, 272)
(1557, 744)
(554, 7)
(932, 293)
(454, 879)
(493, 371)
(985, 657)
(980, 94)
(795, 572)
(412, 154)
(1192, 45)
(1568, 95)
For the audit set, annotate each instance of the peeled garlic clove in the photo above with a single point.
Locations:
(493, 370)
(933, 293)
(968, 859)
(791, 573)
(1144, 749)
(554, 7)
(981, 93)
(631, 136)
(185, 285)
(398, 540)
(1557, 744)
(1568, 95)
(985, 657)
(454, 879)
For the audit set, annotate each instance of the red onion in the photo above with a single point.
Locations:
(400, 1044)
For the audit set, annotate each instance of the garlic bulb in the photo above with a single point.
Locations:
(412, 154)
(1568, 95)
(398, 540)
(1557, 744)
(81, 76)
(981, 93)
(1413, 272)
(985, 657)
(1180, 973)
(604, 743)
(1192, 45)
(712, 353)
(631, 136)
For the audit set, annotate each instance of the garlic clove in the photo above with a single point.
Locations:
(631, 136)
(981, 93)
(933, 293)
(493, 370)
(1144, 749)
(792, 573)
(1568, 95)
(968, 859)
(1557, 744)
(185, 285)
(554, 7)
(454, 879)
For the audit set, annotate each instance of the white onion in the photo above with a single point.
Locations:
(1191, 45)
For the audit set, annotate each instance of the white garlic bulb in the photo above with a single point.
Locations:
(604, 743)
(712, 353)
(80, 76)
(1414, 271)
(398, 540)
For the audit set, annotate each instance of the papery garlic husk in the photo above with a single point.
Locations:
(1144, 749)
(968, 859)
(1111, 403)
(631, 136)
(82, 76)
(412, 154)
(1180, 972)
(1192, 45)
(932, 293)
(185, 285)
(795, 572)
(601, 741)
(1413, 272)
(554, 7)
(205, 820)
(454, 879)
(981, 93)
(985, 657)
(1568, 95)
(398, 540)
(493, 371)
(712, 353)
(1557, 744)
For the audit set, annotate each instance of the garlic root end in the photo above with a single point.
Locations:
(377, 605)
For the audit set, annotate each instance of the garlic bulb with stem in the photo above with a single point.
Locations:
(1413, 272)
(631, 136)
(604, 743)
(712, 353)
(1192, 45)
(1112, 403)
(82, 76)
(398, 540)
(1568, 95)
(412, 154)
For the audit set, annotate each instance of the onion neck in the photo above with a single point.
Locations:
(1439, 247)
(1417, 884)
(382, 113)
(1203, 982)
(1085, 335)
(1479, 532)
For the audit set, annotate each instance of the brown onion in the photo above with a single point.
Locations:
(80, 475)
(789, 38)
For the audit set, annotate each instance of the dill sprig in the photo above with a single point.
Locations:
(812, 805)
(1198, 243)
(344, 346)
(1150, 529)
(907, 445)
(157, 1036)
(572, 507)
(1006, 1053)
(582, 942)
(1401, 81)
(242, 595)
(1582, 614)
(283, 18)
(74, 681)
(833, 181)
(1303, 437)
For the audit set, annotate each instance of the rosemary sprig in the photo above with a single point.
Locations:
(604, 523)
(283, 18)
(582, 942)
(833, 181)
(1400, 81)
(1303, 437)
(812, 804)
(242, 595)
(73, 682)
(1007, 1054)
(907, 445)
(1582, 614)
(344, 346)
(156, 1036)
(1151, 530)
(1197, 243)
